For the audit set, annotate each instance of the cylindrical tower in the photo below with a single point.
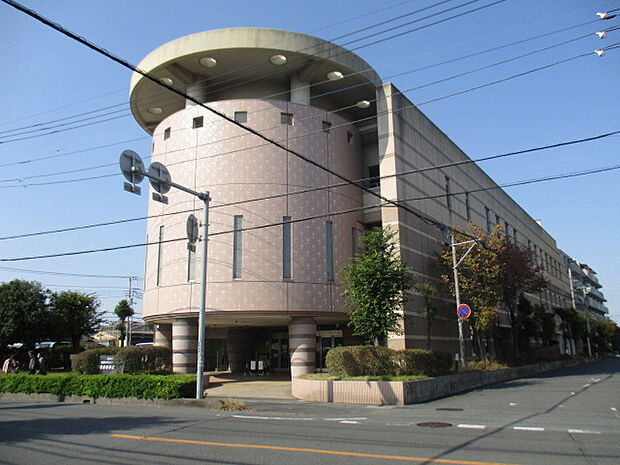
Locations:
(272, 262)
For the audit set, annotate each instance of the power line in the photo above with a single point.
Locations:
(309, 218)
(62, 273)
(304, 191)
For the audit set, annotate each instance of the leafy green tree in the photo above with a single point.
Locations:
(375, 285)
(603, 334)
(123, 310)
(77, 314)
(428, 291)
(24, 313)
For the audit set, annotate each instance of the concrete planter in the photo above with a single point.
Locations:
(410, 392)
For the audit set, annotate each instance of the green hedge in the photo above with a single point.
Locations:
(139, 386)
(136, 360)
(382, 361)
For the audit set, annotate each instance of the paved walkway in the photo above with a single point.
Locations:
(256, 387)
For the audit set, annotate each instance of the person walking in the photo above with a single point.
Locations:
(10, 365)
(41, 365)
(32, 363)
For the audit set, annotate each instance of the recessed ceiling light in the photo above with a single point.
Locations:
(155, 111)
(167, 80)
(362, 104)
(208, 62)
(335, 75)
(278, 60)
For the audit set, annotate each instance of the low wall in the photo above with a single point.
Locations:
(410, 392)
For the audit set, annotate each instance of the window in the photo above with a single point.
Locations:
(467, 207)
(349, 137)
(160, 254)
(498, 220)
(287, 272)
(329, 250)
(286, 118)
(327, 127)
(507, 230)
(487, 214)
(166, 133)
(448, 197)
(514, 235)
(374, 179)
(356, 241)
(197, 122)
(241, 116)
(191, 264)
(237, 246)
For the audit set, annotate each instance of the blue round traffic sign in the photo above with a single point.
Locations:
(463, 311)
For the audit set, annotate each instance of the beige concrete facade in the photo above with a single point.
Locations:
(273, 280)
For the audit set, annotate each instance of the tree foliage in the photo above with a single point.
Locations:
(123, 310)
(430, 310)
(24, 313)
(375, 285)
(78, 314)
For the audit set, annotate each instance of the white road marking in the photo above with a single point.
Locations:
(582, 431)
(349, 422)
(256, 417)
(528, 428)
(345, 419)
(614, 409)
(462, 425)
(572, 393)
(587, 385)
(512, 404)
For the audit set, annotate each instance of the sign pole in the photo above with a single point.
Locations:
(458, 301)
(203, 299)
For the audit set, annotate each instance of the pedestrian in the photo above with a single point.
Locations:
(41, 365)
(10, 365)
(32, 363)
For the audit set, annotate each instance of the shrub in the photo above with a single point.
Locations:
(87, 362)
(58, 357)
(139, 386)
(361, 361)
(423, 362)
(485, 365)
(145, 360)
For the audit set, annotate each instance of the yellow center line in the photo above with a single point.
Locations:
(302, 449)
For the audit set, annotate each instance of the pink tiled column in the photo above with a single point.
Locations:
(184, 345)
(163, 335)
(302, 345)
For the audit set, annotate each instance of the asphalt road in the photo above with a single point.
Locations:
(566, 417)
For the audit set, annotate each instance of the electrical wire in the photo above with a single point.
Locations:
(314, 217)
(76, 275)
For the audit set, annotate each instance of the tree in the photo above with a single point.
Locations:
(376, 282)
(479, 284)
(518, 274)
(77, 313)
(24, 313)
(123, 310)
(428, 291)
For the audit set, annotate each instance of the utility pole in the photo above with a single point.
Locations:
(132, 168)
(585, 306)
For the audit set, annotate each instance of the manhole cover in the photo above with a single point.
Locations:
(450, 409)
(434, 424)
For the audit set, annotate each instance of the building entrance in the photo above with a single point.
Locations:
(325, 340)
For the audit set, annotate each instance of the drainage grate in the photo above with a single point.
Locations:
(450, 409)
(434, 424)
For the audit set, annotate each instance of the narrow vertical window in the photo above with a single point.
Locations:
(374, 180)
(166, 133)
(329, 249)
(286, 118)
(467, 207)
(191, 265)
(327, 127)
(448, 197)
(197, 122)
(237, 246)
(356, 240)
(514, 235)
(160, 254)
(487, 214)
(349, 137)
(241, 116)
(287, 272)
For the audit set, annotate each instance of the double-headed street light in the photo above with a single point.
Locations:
(132, 168)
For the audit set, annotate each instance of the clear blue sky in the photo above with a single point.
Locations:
(47, 76)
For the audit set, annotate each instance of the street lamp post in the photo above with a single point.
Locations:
(585, 291)
(133, 169)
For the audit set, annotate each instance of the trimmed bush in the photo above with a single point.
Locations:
(485, 365)
(87, 362)
(355, 361)
(136, 360)
(145, 360)
(139, 386)
(361, 361)
(423, 362)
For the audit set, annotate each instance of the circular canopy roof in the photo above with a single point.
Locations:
(230, 63)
